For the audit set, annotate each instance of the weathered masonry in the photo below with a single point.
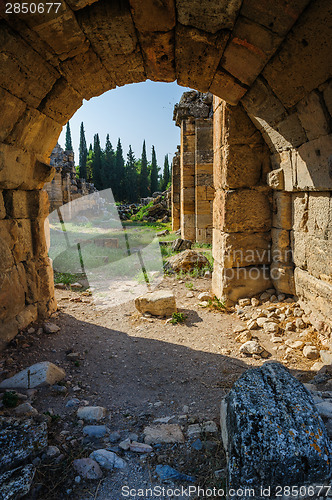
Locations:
(272, 59)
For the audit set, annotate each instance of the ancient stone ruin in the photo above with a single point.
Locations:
(269, 68)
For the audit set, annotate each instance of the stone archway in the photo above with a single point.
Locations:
(275, 59)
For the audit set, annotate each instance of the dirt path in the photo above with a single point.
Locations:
(139, 369)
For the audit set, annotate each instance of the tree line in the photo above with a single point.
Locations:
(106, 168)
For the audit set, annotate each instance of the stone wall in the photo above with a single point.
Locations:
(175, 191)
(193, 115)
(242, 213)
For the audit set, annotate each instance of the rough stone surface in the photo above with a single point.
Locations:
(87, 468)
(158, 303)
(272, 432)
(40, 374)
(16, 483)
(91, 413)
(186, 261)
(20, 440)
(107, 459)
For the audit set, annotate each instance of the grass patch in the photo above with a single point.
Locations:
(217, 304)
(178, 318)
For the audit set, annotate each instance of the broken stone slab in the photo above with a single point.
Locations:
(140, 447)
(51, 328)
(108, 460)
(272, 432)
(91, 413)
(163, 433)
(17, 482)
(158, 303)
(20, 440)
(87, 468)
(38, 375)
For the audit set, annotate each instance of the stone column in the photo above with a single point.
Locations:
(187, 180)
(242, 206)
(176, 191)
(204, 191)
(193, 106)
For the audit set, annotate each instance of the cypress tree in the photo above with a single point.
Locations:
(83, 154)
(144, 180)
(119, 185)
(97, 167)
(89, 164)
(68, 144)
(166, 174)
(154, 173)
(108, 165)
(131, 177)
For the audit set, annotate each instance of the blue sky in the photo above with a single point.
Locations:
(134, 112)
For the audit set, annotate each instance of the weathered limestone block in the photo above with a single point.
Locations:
(111, 31)
(282, 276)
(12, 294)
(87, 75)
(313, 116)
(19, 169)
(61, 102)
(16, 483)
(197, 55)
(282, 210)
(239, 282)
(11, 110)
(219, 15)
(249, 49)
(313, 166)
(300, 202)
(20, 440)
(24, 73)
(299, 69)
(227, 87)
(186, 261)
(236, 126)
(272, 432)
(158, 52)
(242, 210)
(313, 254)
(319, 213)
(6, 257)
(242, 165)
(275, 179)
(153, 16)
(241, 249)
(35, 132)
(2, 207)
(317, 293)
(37, 375)
(26, 204)
(281, 246)
(158, 303)
(261, 103)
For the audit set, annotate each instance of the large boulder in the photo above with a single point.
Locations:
(187, 261)
(37, 375)
(272, 433)
(158, 303)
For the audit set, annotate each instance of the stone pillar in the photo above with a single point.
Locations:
(204, 191)
(193, 106)
(242, 206)
(187, 180)
(176, 191)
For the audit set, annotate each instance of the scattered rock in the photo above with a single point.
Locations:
(140, 447)
(25, 409)
(40, 374)
(255, 302)
(164, 433)
(166, 472)
(204, 296)
(190, 295)
(244, 337)
(294, 344)
(125, 444)
(51, 328)
(310, 352)
(244, 302)
(271, 327)
(108, 460)
(72, 402)
(91, 413)
(158, 303)
(52, 452)
(252, 324)
(261, 321)
(95, 431)
(87, 468)
(326, 357)
(76, 286)
(251, 347)
(114, 437)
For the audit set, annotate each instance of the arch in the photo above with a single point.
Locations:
(274, 58)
